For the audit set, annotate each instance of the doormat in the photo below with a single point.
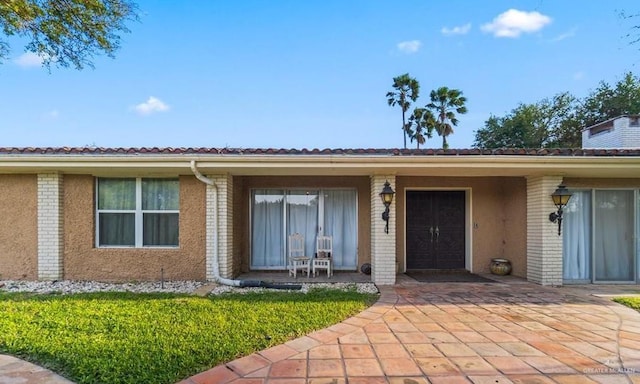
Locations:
(447, 277)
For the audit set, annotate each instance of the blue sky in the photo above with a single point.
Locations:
(312, 74)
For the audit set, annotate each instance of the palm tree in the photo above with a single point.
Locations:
(406, 89)
(420, 126)
(444, 102)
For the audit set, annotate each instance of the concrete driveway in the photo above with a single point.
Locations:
(506, 332)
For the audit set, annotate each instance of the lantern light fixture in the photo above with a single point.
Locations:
(560, 198)
(387, 198)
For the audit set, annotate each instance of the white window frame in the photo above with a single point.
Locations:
(138, 216)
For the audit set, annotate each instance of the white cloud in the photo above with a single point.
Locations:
(152, 105)
(565, 35)
(458, 30)
(28, 59)
(409, 47)
(513, 23)
(578, 75)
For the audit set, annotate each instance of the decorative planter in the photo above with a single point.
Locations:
(500, 267)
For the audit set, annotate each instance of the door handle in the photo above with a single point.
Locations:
(437, 233)
(431, 231)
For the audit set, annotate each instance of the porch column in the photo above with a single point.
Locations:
(220, 197)
(544, 246)
(383, 245)
(50, 226)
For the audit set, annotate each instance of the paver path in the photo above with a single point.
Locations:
(16, 371)
(458, 333)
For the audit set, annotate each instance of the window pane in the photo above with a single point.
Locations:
(302, 217)
(267, 245)
(117, 229)
(614, 237)
(341, 222)
(160, 194)
(160, 229)
(116, 194)
(576, 237)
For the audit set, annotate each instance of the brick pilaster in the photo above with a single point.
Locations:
(50, 226)
(224, 228)
(544, 246)
(383, 245)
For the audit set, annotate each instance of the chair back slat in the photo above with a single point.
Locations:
(296, 245)
(324, 246)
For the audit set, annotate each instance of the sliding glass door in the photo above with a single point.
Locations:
(599, 237)
(340, 222)
(278, 213)
(614, 240)
(576, 241)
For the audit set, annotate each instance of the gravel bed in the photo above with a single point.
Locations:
(70, 286)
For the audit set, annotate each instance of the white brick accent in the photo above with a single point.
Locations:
(544, 246)
(224, 230)
(50, 226)
(383, 245)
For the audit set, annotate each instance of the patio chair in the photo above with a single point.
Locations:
(322, 259)
(297, 259)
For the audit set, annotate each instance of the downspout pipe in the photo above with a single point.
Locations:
(216, 264)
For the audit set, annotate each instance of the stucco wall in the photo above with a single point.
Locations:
(19, 229)
(83, 261)
(244, 185)
(498, 217)
(514, 214)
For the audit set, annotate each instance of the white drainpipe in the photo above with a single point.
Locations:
(216, 266)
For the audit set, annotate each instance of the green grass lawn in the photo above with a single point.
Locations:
(159, 338)
(631, 302)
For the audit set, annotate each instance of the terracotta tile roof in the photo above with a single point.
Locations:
(97, 151)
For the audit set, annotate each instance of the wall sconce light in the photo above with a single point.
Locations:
(560, 198)
(387, 198)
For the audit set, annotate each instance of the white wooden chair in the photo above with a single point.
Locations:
(297, 259)
(322, 259)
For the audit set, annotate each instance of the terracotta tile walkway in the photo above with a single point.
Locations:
(459, 333)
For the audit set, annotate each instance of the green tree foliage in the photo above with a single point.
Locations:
(420, 126)
(445, 103)
(609, 101)
(406, 90)
(558, 122)
(528, 125)
(66, 32)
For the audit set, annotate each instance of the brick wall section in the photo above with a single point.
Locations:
(50, 226)
(383, 245)
(544, 246)
(224, 231)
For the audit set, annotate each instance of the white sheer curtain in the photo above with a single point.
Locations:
(577, 237)
(160, 228)
(302, 217)
(340, 223)
(267, 240)
(116, 228)
(613, 235)
(275, 214)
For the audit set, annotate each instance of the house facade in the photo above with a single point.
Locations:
(132, 214)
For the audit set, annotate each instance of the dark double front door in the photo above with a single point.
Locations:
(435, 230)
